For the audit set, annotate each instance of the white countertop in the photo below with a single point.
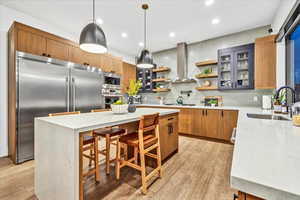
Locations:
(199, 107)
(90, 121)
(266, 158)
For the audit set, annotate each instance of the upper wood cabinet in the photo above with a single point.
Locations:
(265, 62)
(117, 65)
(81, 57)
(31, 43)
(106, 63)
(128, 73)
(57, 49)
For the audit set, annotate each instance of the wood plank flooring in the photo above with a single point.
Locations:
(199, 171)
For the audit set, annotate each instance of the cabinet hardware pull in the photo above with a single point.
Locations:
(206, 112)
(202, 112)
(43, 54)
(170, 118)
(222, 113)
(49, 55)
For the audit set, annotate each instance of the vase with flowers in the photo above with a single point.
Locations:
(132, 91)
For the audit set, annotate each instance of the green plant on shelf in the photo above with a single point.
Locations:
(207, 71)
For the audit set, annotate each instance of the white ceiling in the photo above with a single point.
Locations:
(189, 19)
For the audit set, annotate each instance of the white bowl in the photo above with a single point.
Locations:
(119, 109)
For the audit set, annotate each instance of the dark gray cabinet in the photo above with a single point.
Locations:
(146, 76)
(236, 67)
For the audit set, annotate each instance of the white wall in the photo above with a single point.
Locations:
(7, 16)
(281, 14)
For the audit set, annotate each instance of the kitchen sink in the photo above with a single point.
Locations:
(265, 116)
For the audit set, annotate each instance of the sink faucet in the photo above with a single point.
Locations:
(293, 96)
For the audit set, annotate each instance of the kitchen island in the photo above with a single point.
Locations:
(57, 147)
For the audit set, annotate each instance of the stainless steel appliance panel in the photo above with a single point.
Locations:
(86, 90)
(42, 89)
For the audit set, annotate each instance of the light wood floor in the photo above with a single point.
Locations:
(199, 171)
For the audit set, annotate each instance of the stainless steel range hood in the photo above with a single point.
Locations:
(182, 65)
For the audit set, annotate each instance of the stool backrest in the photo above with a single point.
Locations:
(149, 122)
(63, 113)
(100, 110)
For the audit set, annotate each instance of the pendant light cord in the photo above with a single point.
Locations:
(145, 29)
(94, 11)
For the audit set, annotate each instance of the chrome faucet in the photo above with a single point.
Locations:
(293, 96)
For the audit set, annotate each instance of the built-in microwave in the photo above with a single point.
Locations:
(112, 79)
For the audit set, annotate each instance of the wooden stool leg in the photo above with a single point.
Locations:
(81, 167)
(136, 155)
(90, 160)
(96, 159)
(158, 152)
(143, 172)
(125, 151)
(107, 153)
(118, 159)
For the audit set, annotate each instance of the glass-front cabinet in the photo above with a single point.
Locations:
(146, 76)
(236, 67)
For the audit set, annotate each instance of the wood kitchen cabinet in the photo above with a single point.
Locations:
(212, 121)
(186, 121)
(84, 58)
(209, 123)
(117, 65)
(168, 133)
(57, 49)
(228, 123)
(128, 73)
(244, 196)
(30, 43)
(265, 62)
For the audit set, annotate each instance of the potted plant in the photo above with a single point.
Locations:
(213, 102)
(132, 91)
(119, 107)
(278, 101)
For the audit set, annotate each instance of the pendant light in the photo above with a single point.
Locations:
(145, 60)
(92, 37)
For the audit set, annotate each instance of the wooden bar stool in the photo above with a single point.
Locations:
(111, 135)
(87, 142)
(143, 142)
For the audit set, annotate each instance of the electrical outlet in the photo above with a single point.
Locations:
(255, 98)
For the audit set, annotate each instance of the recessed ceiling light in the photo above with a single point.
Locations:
(141, 44)
(99, 21)
(124, 35)
(172, 34)
(215, 21)
(209, 2)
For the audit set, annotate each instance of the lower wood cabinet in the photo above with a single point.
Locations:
(168, 129)
(244, 196)
(186, 121)
(228, 123)
(211, 123)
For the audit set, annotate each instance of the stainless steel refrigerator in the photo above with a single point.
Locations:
(46, 85)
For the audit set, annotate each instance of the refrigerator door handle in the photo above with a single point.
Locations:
(74, 94)
(68, 94)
